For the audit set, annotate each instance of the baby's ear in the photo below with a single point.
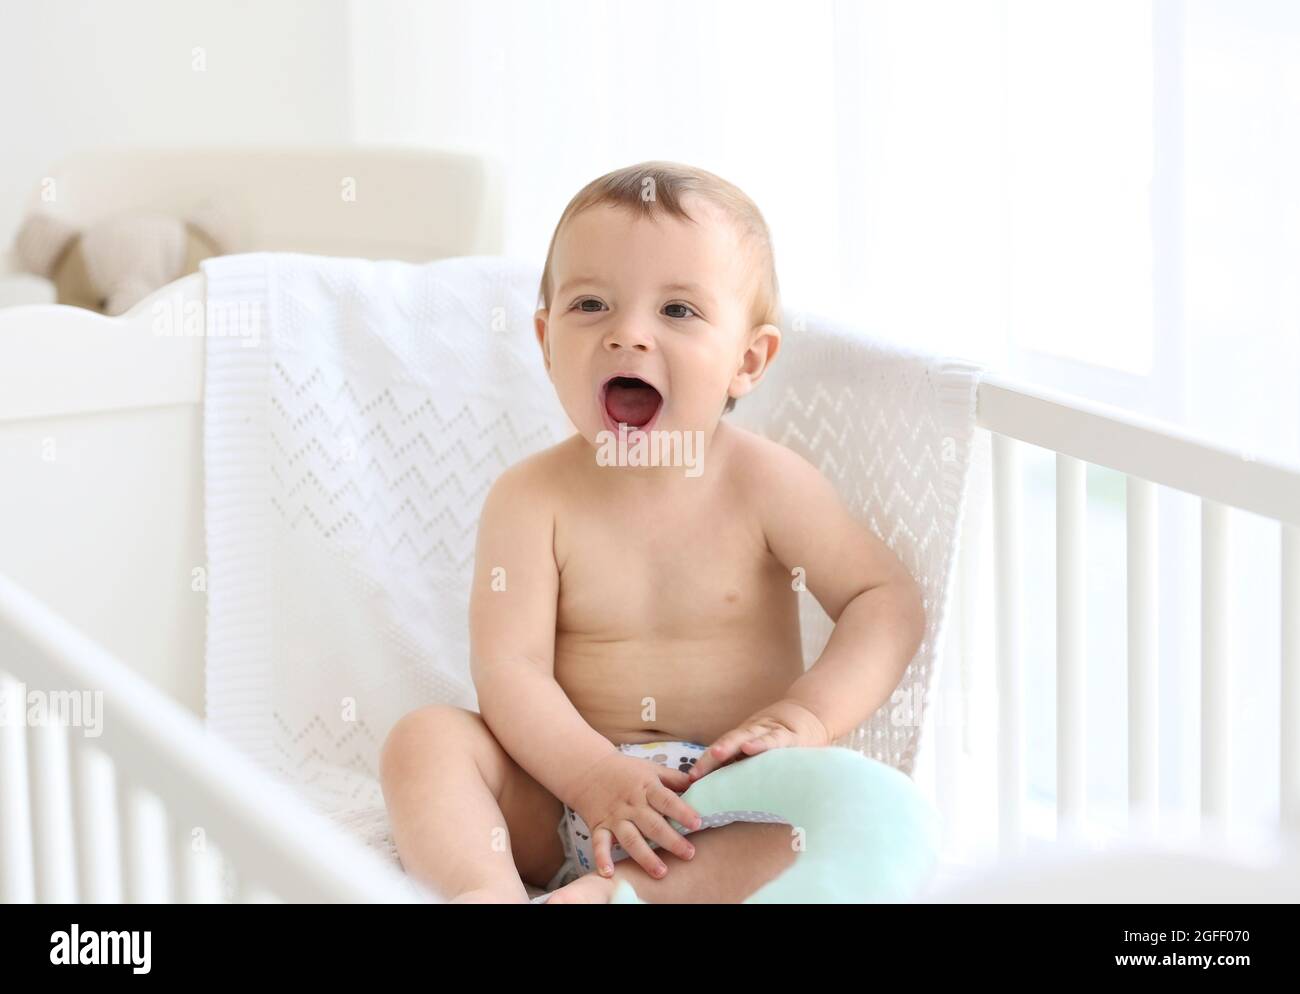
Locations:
(539, 328)
(764, 343)
(768, 338)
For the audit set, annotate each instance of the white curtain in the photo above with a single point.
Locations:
(1097, 196)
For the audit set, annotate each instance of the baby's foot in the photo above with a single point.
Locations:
(590, 888)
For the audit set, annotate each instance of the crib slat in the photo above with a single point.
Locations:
(143, 840)
(53, 848)
(17, 882)
(1143, 656)
(1006, 551)
(162, 747)
(1214, 663)
(1071, 520)
(96, 828)
(195, 865)
(1290, 690)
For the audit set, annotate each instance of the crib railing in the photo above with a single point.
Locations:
(154, 808)
(1151, 455)
(125, 797)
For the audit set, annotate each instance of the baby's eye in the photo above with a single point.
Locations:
(686, 306)
(580, 304)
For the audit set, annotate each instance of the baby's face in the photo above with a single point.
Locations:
(663, 302)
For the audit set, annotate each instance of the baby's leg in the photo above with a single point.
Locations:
(730, 863)
(467, 819)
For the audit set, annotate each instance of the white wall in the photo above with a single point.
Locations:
(78, 74)
(563, 91)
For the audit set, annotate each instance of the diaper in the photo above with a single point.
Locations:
(579, 854)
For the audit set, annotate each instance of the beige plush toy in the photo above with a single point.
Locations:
(118, 261)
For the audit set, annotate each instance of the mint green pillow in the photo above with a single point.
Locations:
(869, 835)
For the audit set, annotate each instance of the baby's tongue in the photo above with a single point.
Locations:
(631, 403)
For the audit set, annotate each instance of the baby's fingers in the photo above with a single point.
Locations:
(675, 779)
(777, 738)
(629, 837)
(721, 751)
(601, 845)
(655, 828)
(673, 806)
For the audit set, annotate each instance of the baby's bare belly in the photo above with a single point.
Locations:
(650, 688)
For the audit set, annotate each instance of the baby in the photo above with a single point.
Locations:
(634, 624)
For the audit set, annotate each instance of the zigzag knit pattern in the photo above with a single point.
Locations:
(893, 430)
(356, 414)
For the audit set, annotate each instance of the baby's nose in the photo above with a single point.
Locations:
(629, 336)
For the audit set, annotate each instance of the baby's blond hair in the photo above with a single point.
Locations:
(650, 187)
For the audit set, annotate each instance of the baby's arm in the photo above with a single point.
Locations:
(512, 635)
(512, 659)
(876, 605)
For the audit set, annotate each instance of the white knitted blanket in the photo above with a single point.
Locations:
(355, 415)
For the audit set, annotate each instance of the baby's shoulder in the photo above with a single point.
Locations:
(758, 461)
(533, 477)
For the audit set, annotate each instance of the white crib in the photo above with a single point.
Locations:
(101, 541)
(101, 587)
(1150, 456)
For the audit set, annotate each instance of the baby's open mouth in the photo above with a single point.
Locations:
(631, 401)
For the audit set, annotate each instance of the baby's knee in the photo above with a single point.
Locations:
(434, 729)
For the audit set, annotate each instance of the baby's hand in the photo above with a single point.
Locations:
(625, 797)
(781, 725)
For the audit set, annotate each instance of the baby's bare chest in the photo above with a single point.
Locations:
(676, 576)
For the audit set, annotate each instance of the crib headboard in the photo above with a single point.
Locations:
(101, 486)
